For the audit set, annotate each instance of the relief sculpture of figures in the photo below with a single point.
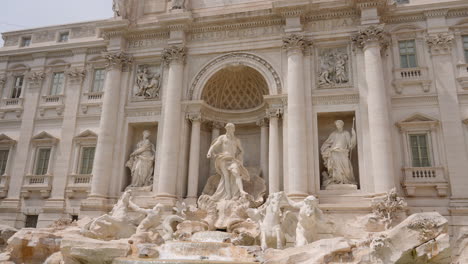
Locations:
(178, 4)
(333, 68)
(336, 156)
(141, 162)
(228, 154)
(148, 84)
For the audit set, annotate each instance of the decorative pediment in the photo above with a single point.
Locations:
(44, 138)
(418, 121)
(6, 140)
(86, 136)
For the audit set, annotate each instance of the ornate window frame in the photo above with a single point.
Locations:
(418, 177)
(80, 182)
(40, 183)
(89, 98)
(461, 30)
(6, 143)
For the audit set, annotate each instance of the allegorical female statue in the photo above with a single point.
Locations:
(336, 156)
(141, 162)
(228, 153)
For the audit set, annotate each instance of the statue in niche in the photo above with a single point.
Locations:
(141, 162)
(228, 154)
(333, 68)
(148, 84)
(336, 156)
(178, 4)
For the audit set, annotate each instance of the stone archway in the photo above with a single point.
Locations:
(264, 68)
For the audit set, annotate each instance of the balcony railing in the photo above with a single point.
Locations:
(4, 183)
(12, 103)
(94, 96)
(52, 99)
(37, 183)
(463, 75)
(78, 183)
(411, 76)
(415, 177)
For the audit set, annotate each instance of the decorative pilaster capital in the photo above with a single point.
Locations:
(194, 117)
(76, 75)
(440, 43)
(274, 112)
(295, 42)
(262, 122)
(174, 54)
(117, 60)
(35, 78)
(371, 34)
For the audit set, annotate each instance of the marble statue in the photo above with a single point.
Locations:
(115, 225)
(119, 7)
(336, 156)
(141, 162)
(148, 84)
(228, 154)
(178, 4)
(275, 221)
(308, 217)
(153, 217)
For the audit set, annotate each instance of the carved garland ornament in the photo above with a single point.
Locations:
(76, 74)
(36, 78)
(174, 53)
(374, 33)
(237, 55)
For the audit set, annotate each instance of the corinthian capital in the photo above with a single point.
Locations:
(117, 59)
(76, 74)
(440, 43)
(294, 42)
(35, 78)
(371, 34)
(174, 54)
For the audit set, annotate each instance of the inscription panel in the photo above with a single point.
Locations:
(333, 24)
(243, 33)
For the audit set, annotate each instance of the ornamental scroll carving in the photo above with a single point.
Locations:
(36, 78)
(333, 68)
(117, 59)
(440, 43)
(76, 74)
(174, 54)
(374, 33)
(294, 42)
(148, 82)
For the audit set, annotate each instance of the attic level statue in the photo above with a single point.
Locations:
(336, 156)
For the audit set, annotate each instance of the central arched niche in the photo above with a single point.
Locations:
(235, 87)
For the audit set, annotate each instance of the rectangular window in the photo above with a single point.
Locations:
(407, 53)
(42, 161)
(3, 160)
(420, 150)
(63, 37)
(87, 159)
(98, 81)
(17, 87)
(58, 81)
(31, 221)
(25, 41)
(465, 47)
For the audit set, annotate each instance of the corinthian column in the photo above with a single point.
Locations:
(440, 46)
(194, 162)
(297, 169)
(170, 141)
(372, 39)
(102, 166)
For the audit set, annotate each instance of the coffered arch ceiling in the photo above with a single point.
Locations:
(235, 88)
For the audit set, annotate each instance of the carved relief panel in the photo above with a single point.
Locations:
(333, 68)
(147, 82)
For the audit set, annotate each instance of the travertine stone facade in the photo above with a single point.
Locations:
(76, 98)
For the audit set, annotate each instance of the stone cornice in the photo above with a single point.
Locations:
(363, 4)
(403, 18)
(234, 26)
(174, 54)
(330, 14)
(371, 34)
(436, 13)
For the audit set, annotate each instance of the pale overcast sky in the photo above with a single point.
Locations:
(24, 14)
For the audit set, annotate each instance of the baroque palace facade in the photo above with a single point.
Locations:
(76, 98)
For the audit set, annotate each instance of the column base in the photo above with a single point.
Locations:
(297, 196)
(95, 206)
(166, 199)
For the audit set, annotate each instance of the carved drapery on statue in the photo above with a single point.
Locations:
(141, 162)
(336, 156)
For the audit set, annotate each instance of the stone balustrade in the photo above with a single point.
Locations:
(37, 183)
(463, 75)
(411, 76)
(421, 177)
(4, 182)
(78, 183)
